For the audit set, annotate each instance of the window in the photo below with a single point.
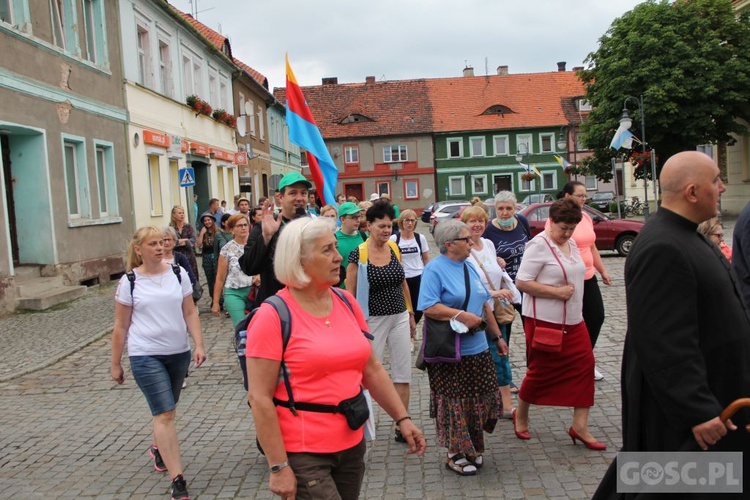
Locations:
(261, 124)
(6, 11)
(547, 142)
(707, 149)
(549, 180)
(383, 187)
(351, 154)
(580, 145)
(165, 69)
(76, 177)
(223, 95)
(105, 179)
(455, 148)
(479, 184)
(250, 111)
(584, 105)
(524, 144)
(174, 183)
(411, 189)
(213, 91)
(198, 77)
(591, 184)
(501, 145)
(456, 186)
(526, 185)
(58, 22)
(91, 27)
(144, 56)
(476, 146)
(394, 153)
(154, 184)
(187, 76)
(303, 158)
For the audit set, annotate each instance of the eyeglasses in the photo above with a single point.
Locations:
(718, 235)
(410, 220)
(355, 216)
(465, 239)
(241, 225)
(581, 196)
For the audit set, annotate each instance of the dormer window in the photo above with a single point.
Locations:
(498, 109)
(355, 118)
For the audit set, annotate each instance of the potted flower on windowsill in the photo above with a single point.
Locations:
(529, 176)
(222, 116)
(198, 105)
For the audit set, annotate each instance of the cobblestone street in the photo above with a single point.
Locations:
(69, 431)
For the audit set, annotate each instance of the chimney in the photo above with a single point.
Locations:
(561, 66)
(330, 80)
(502, 70)
(369, 79)
(577, 68)
(468, 71)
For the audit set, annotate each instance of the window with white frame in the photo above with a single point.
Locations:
(187, 76)
(580, 144)
(524, 184)
(455, 148)
(261, 124)
(154, 184)
(174, 182)
(549, 180)
(105, 179)
(351, 154)
(524, 144)
(57, 9)
(591, 183)
(394, 153)
(198, 77)
(144, 55)
(501, 145)
(223, 95)
(479, 184)
(90, 27)
(383, 187)
(6, 11)
(456, 186)
(250, 110)
(411, 189)
(76, 177)
(213, 89)
(547, 143)
(476, 146)
(165, 69)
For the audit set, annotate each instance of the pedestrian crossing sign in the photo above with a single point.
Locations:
(187, 177)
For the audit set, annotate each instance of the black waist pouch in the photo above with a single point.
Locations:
(355, 410)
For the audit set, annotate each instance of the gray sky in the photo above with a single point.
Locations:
(403, 39)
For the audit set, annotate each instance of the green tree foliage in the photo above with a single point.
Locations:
(690, 60)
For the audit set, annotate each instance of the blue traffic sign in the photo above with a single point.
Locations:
(187, 177)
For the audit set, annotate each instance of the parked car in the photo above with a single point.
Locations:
(445, 212)
(538, 198)
(427, 212)
(611, 234)
(601, 200)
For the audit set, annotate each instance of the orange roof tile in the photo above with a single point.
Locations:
(256, 75)
(536, 100)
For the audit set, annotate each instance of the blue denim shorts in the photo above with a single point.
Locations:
(160, 379)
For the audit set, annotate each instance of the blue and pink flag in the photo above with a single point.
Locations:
(305, 133)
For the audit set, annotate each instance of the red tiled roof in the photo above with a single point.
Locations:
(398, 107)
(256, 75)
(536, 99)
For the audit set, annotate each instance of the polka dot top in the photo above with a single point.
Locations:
(386, 294)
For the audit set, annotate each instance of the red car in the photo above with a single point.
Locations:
(611, 234)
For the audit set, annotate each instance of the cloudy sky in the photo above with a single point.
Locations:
(403, 39)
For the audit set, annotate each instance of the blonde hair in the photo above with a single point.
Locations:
(328, 208)
(475, 212)
(475, 200)
(171, 215)
(708, 226)
(406, 214)
(141, 235)
(364, 205)
(294, 246)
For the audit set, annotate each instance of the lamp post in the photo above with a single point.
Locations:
(627, 122)
(562, 143)
(523, 152)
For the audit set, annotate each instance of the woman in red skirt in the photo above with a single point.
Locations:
(551, 277)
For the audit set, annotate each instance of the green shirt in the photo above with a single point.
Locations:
(347, 244)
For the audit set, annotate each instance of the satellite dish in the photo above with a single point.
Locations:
(242, 126)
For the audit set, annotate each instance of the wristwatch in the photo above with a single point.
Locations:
(277, 467)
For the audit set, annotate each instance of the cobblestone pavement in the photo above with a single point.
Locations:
(70, 432)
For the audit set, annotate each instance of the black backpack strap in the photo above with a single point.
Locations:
(419, 243)
(131, 279)
(343, 298)
(398, 237)
(176, 270)
(363, 235)
(285, 319)
(524, 224)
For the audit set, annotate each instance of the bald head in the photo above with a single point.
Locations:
(691, 185)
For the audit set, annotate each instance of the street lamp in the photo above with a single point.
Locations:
(523, 152)
(627, 122)
(562, 139)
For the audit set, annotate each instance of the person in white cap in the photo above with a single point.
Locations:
(374, 197)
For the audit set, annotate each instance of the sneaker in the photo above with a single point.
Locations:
(179, 488)
(597, 375)
(158, 462)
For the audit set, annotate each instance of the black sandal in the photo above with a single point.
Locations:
(476, 460)
(460, 465)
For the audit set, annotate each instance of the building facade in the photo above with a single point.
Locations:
(65, 206)
(285, 156)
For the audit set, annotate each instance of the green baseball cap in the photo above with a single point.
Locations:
(348, 208)
(293, 178)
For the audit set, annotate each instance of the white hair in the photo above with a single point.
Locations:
(294, 245)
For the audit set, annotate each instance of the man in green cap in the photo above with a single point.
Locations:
(349, 236)
(261, 244)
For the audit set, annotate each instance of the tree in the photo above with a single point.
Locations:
(690, 60)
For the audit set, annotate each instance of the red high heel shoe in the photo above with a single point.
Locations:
(522, 434)
(591, 445)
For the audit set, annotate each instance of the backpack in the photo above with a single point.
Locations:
(131, 278)
(524, 223)
(417, 236)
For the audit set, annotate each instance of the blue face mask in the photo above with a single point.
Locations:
(506, 223)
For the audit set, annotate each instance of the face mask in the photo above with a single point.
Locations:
(506, 223)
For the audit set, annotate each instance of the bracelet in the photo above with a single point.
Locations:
(402, 419)
(495, 339)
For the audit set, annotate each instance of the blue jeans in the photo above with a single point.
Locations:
(160, 379)
(502, 363)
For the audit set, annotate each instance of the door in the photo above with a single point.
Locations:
(501, 183)
(202, 187)
(356, 190)
(8, 177)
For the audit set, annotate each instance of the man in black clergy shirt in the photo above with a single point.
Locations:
(261, 244)
(687, 347)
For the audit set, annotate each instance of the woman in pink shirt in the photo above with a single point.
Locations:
(585, 238)
(315, 454)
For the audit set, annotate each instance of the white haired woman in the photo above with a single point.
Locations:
(154, 311)
(464, 396)
(329, 359)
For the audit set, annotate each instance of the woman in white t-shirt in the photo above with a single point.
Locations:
(155, 311)
(414, 254)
